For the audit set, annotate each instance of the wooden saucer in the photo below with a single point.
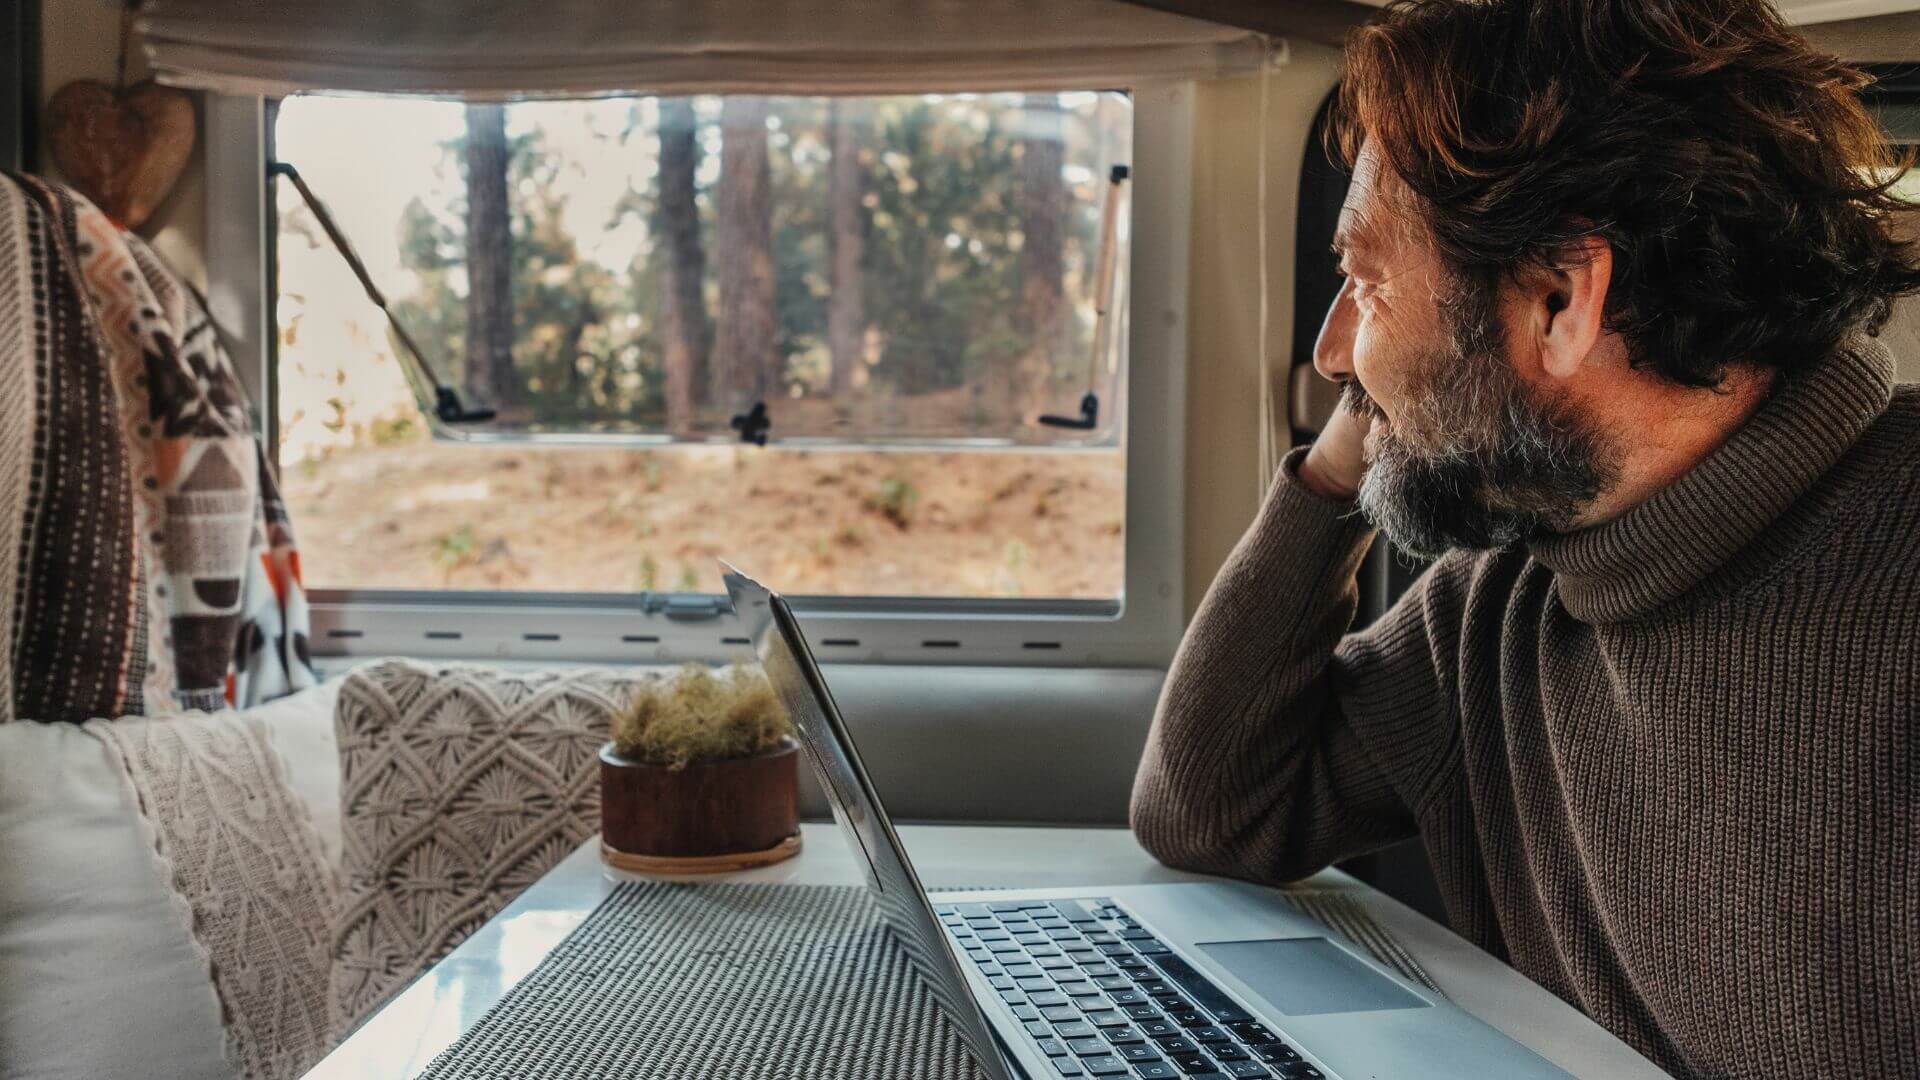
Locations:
(700, 864)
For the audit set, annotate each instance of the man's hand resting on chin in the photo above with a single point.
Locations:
(1333, 466)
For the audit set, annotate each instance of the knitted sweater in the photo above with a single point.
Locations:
(1668, 766)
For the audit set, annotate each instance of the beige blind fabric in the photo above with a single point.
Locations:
(508, 48)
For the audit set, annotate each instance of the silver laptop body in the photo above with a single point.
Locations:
(1222, 959)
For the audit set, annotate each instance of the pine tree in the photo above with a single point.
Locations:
(683, 306)
(744, 359)
(489, 343)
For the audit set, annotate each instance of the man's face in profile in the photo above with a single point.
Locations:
(1461, 452)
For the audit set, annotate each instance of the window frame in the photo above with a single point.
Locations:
(1141, 628)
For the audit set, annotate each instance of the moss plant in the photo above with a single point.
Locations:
(699, 716)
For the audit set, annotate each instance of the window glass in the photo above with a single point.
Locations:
(897, 282)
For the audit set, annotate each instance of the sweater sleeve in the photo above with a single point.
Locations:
(1281, 743)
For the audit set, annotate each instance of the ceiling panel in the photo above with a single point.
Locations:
(1884, 31)
(1807, 12)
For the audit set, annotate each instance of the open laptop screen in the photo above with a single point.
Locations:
(790, 666)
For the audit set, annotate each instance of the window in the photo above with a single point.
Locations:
(270, 306)
(900, 287)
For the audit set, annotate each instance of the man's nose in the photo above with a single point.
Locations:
(1333, 352)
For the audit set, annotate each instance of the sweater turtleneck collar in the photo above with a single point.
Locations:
(1649, 556)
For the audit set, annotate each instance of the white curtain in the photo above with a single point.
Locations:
(513, 48)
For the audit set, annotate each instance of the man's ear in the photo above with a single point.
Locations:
(1570, 306)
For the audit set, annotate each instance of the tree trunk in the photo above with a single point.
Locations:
(1042, 205)
(683, 300)
(846, 311)
(578, 386)
(743, 354)
(490, 375)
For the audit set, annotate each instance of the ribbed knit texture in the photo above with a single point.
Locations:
(1665, 766)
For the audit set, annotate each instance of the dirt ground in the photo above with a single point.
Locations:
(435, 515)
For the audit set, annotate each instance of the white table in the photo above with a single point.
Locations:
(429, 1015)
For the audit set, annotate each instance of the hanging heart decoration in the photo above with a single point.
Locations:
(123, 148)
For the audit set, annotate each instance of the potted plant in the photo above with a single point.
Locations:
(701, 776)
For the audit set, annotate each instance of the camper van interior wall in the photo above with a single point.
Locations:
(701, 776)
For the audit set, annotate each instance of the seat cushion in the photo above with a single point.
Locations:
(163, 903)
(459, 787)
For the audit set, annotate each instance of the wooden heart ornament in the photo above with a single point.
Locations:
(123, 149)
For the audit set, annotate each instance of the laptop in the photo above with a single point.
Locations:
(1205, 980)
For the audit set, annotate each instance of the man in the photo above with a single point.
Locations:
(1613, 271)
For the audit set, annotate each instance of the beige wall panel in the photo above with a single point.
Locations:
(1902, 336)
(1877, 39)
(1223, 482)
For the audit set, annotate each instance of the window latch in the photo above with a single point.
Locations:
(753, 424)
(684, 607)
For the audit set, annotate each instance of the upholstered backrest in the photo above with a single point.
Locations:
(459, 787)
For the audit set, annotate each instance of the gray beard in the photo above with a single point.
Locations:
(1429, 505)
(1503, 467)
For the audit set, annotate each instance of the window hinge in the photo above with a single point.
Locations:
(685, 606)
(1088, 419)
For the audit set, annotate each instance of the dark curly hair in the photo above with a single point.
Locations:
(1743, 187)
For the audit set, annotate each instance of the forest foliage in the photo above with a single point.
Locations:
(909, 264)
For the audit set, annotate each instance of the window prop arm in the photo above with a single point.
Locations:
(447, 405)
(1089, 417)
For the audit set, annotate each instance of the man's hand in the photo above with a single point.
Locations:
(1333, 466)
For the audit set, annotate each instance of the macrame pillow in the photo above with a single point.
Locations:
(164, 902)
(459, 787)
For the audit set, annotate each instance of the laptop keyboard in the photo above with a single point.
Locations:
(1102, 997)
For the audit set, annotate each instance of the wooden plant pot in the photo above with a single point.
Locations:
(707, 818)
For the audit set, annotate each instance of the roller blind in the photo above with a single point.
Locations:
(512, 48)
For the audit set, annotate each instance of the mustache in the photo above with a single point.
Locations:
(1355, 399)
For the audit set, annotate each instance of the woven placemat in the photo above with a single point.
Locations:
(750, 982)
(746, 982)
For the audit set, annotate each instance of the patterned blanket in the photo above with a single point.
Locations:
(154, 567)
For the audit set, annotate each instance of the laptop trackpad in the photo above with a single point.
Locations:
(1309, 976)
